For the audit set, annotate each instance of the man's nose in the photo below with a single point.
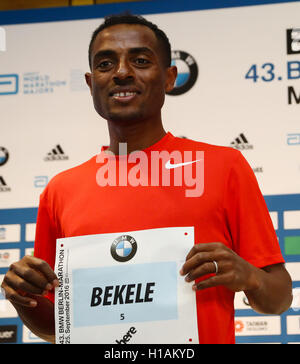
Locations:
(124, 71)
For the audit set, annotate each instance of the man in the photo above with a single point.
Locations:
(236, 248)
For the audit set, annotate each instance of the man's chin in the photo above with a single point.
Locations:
(123, 117)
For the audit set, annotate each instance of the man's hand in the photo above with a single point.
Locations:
(269, 290)
(30, 276)
(233, 272)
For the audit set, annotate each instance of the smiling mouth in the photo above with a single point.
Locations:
(124, 96)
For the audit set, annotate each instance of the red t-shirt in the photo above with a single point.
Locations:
(231, 210)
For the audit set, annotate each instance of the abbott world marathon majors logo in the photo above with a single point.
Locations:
(30, 83)
(187, 72)
(123, 248)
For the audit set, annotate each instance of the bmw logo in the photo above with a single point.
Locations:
(187, 72)
(123, 248)
(3, 156)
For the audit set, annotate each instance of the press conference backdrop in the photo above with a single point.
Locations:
(238, 86)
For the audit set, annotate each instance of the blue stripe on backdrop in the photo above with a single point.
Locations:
(101, 10)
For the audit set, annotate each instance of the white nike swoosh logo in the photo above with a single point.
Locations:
(168, 165)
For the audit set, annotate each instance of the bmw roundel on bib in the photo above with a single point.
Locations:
(123, 248)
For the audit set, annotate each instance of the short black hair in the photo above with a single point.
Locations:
(128, 18)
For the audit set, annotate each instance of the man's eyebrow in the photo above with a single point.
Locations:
(140, 50)
(110, 52)
(104, 53)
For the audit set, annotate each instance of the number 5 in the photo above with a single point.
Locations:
(122, 317)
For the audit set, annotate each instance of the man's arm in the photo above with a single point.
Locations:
(276, 284)
(24, 285)
(269, 290)
(39, 319)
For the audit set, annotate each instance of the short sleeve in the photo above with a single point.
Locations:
(248, 219)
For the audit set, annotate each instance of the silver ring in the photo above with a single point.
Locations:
(216, 266)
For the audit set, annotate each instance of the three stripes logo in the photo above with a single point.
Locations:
(3, 185)
(241, 143)
(56, 154)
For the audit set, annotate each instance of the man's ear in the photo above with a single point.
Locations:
(171, 78)
(88, 80)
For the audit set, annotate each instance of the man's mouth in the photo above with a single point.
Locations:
(124, 96)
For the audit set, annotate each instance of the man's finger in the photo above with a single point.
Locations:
(213, 281)
(16, 282)
(14, 297)
(204, 269)
(198, 259)
(44, 268)
(207, 247)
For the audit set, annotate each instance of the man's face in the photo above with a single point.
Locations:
(129, 79)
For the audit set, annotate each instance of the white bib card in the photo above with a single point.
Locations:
(125, 288)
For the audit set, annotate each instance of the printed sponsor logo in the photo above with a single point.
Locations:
(258, 169)
(123, 248)
(239, 326)
(8, 334)
(8, 256)
(36, 83)
(4, 155)
(56, 154)
(10, 233)
(293, 41)
(187, 72)
(293, 139)
(32, 83)
(3, 185)
(241, 143)
(40, 181)
(2, 233)
(9, 84)
(257, 326)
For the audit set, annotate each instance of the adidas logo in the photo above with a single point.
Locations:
(3, 185)
(56, 154)
(241, 143)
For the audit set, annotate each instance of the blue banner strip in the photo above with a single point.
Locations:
(142, 8)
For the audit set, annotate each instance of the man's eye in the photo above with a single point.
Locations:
(104, 64)
(141, 61)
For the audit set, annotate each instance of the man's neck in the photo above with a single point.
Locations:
(138, 136)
